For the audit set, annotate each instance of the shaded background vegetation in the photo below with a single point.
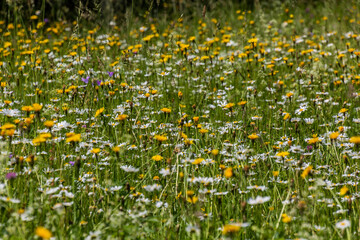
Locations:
(102, 12)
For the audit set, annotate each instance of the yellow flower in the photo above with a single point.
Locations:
(180, 94)
(27, 108)
(203, 130)
(228, 172)
(314, 140)
(275, 173)
(45, 135)
(192, 200)
(231, 229)
(197, 161)
(285, 218)
(95, 150)
(73, 138)
(121, 117)
(229, 105)
(343, 190)
(287, 116)
(10, 26)
(36, 141)
(214, 152)
(253, 136)
(166, 110)
(99, 111)
(355, 140)
(343, 110)
(157, 158)
(306, 172)
(290, 94)
(8, 132)
(282, 154)
(7, 126)
(195, 119)
(116, 149)
(160, 138)
(37, 107)
(49, 124)
(43, 233)
(188, 142)
(334, 135)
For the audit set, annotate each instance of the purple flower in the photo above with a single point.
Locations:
(85, 80)
(111, 74)
(72, 163)
(98, 82)
(11, 155)
(46, 20)
(10, 175)
(309, 147)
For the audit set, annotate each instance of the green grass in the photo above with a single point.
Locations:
(215, 124)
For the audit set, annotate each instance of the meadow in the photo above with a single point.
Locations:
(228, 123)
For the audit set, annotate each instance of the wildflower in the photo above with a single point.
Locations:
(99, 111)
(8, 129)
(161, 138)
(129, 169)
(285, 218)
(157, 158)
(228, 173)
(37, 107)
(164, 172)
(180, 94)
(8, 126)
(343, 224)
(121, 117)
(203, 130)
(258, 200)
(74, 138)
(49, 124)
(214, 152)
(230, 229)
(253, 136)
(229, 105)
(27, 108)
(355, 140)
(314, 140)
(197, 161)
(343, 110)
(287, 116)
(192, 229)
(306, 172)
(192, 200)
(166, 110)
(343, 190)
(11, 175)
(43, 233)
(116, 149)
(334, 135)
(85, 80)
(95, 150)
(282, 154)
